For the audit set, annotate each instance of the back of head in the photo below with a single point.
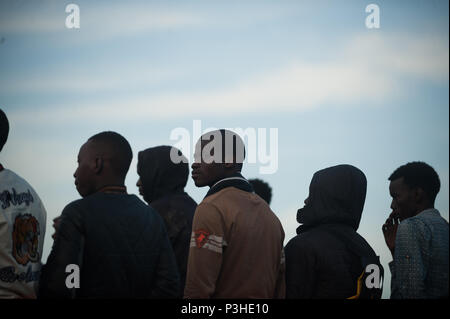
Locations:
(4, 129)
(262, 189)
(421, 175)
(336, 195)
(159, 174)
(114, 148)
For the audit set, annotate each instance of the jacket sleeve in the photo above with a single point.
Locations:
(408, 268)
(205, 253)
(300, 270)
(67, 250)
(167, 284)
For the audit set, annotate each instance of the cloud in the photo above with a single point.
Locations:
(108, 20)
(100, 21)
(94, 79)
(423, 56)
(368, 68)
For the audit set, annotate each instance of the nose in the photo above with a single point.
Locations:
(195, 165)
(393, 205)
(138, 183)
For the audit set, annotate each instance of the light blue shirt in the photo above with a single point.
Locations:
(420, 266)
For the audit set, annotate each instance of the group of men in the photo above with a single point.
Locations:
(228, 246)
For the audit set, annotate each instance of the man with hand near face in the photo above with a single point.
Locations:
(416, 235)
(118, 243)
(236, 248)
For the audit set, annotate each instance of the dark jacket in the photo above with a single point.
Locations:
(121, 247)
(319, 261)
(163, 184)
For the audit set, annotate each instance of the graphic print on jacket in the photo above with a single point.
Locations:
(25, 238)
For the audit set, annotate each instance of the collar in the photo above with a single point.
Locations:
(429, 211)
(113, 190)
(237, 181)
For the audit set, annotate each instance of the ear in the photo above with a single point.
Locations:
(98, 165)
(419, 195)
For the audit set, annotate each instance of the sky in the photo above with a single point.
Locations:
(307, 81)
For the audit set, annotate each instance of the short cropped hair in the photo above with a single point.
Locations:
(4, 129)
(419, 174)
(231, 145)
(262, 189)
(118, 148)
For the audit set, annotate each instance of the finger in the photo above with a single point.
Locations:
(389, 222)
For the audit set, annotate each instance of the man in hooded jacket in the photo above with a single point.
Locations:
(163, 172)
(322, 261)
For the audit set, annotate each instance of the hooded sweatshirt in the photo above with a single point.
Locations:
(163, 184)
(321, 260)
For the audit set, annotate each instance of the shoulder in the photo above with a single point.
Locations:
(234, 198)
(413, 224)
(10, 180)
(73, 210)
(413, 229)
(8, 175)
(13, 185)
(206, 208)
(302, 242)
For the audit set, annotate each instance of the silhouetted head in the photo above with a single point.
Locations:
(4, 129)
(336, 196)
(262, 189)
(413, 188)
(103, 160)
(159, 174)
(218, 154)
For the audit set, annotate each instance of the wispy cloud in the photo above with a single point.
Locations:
(106, 20)
(367, 68)
(97, 21)
(87, 80)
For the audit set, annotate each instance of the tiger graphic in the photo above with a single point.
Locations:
(25, 237)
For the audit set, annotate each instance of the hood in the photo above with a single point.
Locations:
(336, 196)
(159, 175)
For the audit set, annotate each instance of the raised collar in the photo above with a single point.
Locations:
(429, 211)
(237, 181)
(113, 190)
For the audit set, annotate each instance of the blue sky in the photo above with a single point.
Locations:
(337, 91)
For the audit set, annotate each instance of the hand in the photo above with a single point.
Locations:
(56, 222)
(390, 231)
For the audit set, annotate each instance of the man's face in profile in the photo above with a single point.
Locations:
(205, 170)
(85, 172)
(403, 204)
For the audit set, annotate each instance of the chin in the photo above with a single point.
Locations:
(199, 183)
(83, 193)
